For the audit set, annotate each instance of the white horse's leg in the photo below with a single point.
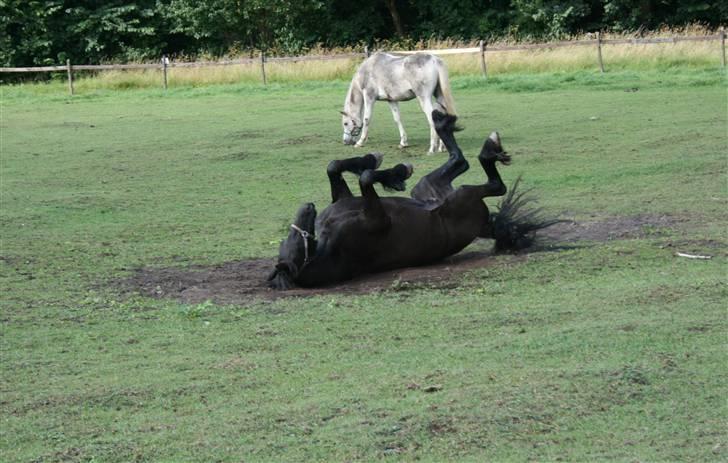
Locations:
(440, 144)
(368, 106)
(426, 105)
(394, 106)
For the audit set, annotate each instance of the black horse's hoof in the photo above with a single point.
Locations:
(410, 169)
(493, 150)
(444, 122)
(379, 158)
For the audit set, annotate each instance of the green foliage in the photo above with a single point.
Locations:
(645, 14)
(28, 31)
(85, 31)
(114, 29)
(553, 19)
(220, 25)
(40, 32)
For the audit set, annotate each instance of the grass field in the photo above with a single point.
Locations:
(595, 350)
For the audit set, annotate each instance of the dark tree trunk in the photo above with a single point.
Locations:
(392, 7)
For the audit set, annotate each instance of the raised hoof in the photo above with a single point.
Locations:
(444, 121)
(493, 150)
(379, 157)
(496, 139)
(410, 169)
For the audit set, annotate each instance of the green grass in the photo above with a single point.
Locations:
(604, 351)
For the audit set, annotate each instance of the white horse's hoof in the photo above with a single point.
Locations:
(401, 146)
(358, 145)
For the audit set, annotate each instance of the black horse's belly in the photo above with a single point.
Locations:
(415, 235)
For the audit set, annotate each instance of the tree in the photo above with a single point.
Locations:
(392, 7)
(41, 32)
(219, 25)
(86, 31)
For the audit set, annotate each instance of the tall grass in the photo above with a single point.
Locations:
(578, 58)
(563, 59)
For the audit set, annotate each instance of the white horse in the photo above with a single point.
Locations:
(393, 79)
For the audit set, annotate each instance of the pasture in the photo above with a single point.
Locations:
(603, 344)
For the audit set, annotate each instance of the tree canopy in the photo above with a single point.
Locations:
(39, 32)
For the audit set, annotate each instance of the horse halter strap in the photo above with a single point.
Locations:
(355, 132)
(305, 235)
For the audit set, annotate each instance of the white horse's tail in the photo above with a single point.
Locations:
(444, 83)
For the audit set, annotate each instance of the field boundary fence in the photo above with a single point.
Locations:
(165, 64)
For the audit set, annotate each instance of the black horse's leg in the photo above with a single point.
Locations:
(491, 153)
(437, 185)
(394, 178)
(466, 203)
(357, 165)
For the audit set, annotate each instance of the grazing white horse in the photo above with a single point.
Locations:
(393, 78)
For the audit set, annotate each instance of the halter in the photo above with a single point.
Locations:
(355, 132)
(305, 235)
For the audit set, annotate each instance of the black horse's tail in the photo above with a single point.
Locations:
(514, 225)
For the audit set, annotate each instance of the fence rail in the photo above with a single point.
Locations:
(482, 49)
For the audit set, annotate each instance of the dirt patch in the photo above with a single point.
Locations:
(242, 281)
(234, 156)
(300, 140)
(612, 228)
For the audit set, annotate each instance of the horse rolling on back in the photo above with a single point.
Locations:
(392, 78)
(369, 233)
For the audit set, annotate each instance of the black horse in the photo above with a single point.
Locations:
(369, 233)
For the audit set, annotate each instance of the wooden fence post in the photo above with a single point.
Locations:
(482, 59)
(599, 51)
(722, 47)
(165, 62)
(69, 71)
(262, 66)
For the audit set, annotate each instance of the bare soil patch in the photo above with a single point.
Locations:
(243, 281)
(611, 228)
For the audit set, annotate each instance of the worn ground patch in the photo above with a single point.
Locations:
(241, 281)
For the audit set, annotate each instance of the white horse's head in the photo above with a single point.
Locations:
(352, 127)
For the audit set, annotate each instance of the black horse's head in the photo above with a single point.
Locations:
(296, 250)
